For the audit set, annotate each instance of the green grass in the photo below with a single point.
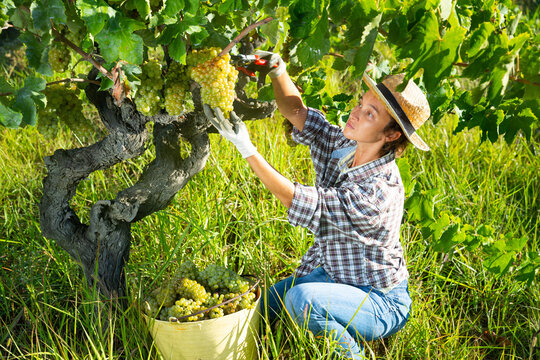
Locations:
(225, 215)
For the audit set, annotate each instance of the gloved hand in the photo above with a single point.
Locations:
(275, 65)
(235, 130)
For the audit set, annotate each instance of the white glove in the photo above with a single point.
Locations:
(235, 130)
(275, 65)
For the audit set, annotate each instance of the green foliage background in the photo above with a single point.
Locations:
(462, 310)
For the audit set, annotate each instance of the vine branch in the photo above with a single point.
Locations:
(243, 33)
(74, 80)
(96, 82)
(85, 55)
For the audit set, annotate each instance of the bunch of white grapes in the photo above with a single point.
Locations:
(59, 57)
(148, 98)
(63, 106)
(177, 95)
(189, 294)
(216, 76)
(219, 278)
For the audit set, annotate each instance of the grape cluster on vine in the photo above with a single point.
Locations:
(59, 57)
(191, 290)
(148, 98)
(177, 95)
(63, 106)
(216, 76)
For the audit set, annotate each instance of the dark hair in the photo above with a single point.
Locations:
(400, 144)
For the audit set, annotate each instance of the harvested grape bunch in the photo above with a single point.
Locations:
(192, 294)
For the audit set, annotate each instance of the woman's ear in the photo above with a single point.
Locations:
(392, 135)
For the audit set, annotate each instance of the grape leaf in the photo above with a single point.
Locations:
(501, 253)
(363, 54)
(499, 76)
(143, 7)
(117, 41)
(525, 121)
(43, 11)
(486, 59)
(528, 270)
(233, 5)
(9, 118)
(105, 84)
(177, 49)
(436, 228)
(304, 14)
(95, 14)
(364, 14)
(26, 97)
(499, 263)
(271, 31)
(315, 46)
(21, 18)
(485, 230)
(169, 13)
(189, 25)
(422, 37)
(420, 205)
(472, 114)
(479, 38)
(191, 6)
(265, 93)
(439, 100)
(340, 9)
(449, 239)
(37, 52)
(472, 241)
(515, 244)
(397, 30)
(406, 177)
(172, 7)
(438, 60)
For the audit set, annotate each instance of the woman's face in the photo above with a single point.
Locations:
(367, 121)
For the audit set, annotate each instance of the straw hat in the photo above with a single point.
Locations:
(409, 108)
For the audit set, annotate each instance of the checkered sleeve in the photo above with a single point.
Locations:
(303, 210)
(321, 137)
(316, 128)
(349, 211)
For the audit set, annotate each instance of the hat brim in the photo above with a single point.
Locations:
(414, 138)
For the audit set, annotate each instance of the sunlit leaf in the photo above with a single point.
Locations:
(479, 38)
(312, 49)
(449, 239)
(43, 11)
(37, 52)
(95, 13)
(117, 40)
(363, 54)
(9, 118)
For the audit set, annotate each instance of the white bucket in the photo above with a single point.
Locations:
(231, 337)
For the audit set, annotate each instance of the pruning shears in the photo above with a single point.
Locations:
(248, 63)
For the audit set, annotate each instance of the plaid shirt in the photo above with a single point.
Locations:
(354, 214)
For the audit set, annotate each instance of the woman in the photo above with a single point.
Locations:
(351, 284)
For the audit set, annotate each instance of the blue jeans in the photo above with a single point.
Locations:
(349, 314)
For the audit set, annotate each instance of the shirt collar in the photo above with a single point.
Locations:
(364, 170)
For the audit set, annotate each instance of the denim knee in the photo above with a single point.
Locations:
(298, 305)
